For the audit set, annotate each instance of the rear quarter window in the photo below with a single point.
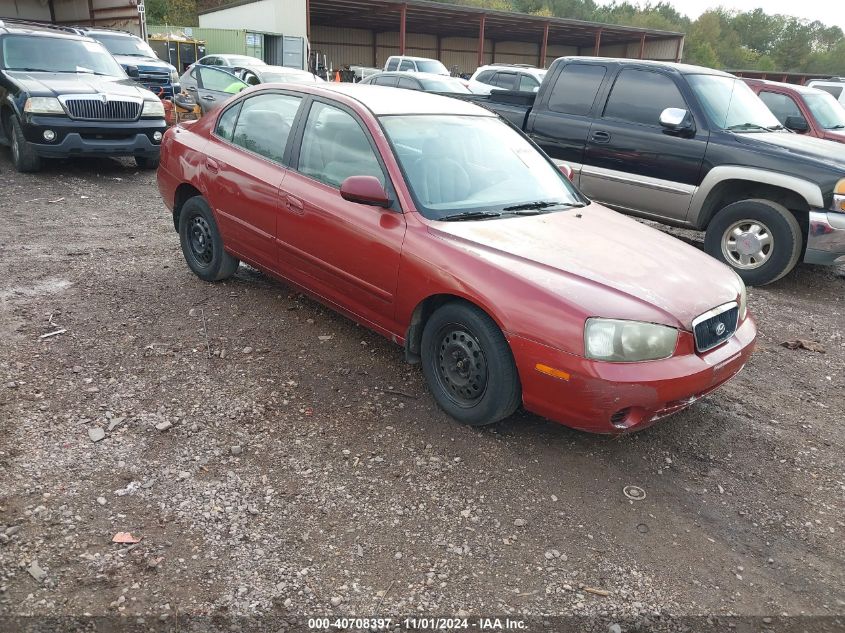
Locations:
(576, 88)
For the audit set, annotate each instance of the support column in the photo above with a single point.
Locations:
(544, 45)
(598, 43)
(678, 49)
(439, 48)
(642, 46)
(493, 56)
(403, 14)
(308, 20)
(374, 35)
(481, 39)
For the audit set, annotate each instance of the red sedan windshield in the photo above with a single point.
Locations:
(464, 164)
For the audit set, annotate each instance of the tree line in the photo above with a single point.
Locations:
(719, 38)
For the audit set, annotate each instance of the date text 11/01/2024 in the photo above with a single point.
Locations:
(417, 623)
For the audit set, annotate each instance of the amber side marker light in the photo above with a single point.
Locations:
(551, 371)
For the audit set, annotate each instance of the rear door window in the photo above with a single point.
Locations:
(408, 83)
(334, 146)
(639, 96)
(264, 124)
(504, 80)
(576, 88)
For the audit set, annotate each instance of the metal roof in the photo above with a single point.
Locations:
(424, 16)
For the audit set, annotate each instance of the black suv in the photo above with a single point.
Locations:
(64, 95)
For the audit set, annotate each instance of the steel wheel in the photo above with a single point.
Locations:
(202, 245)
(747, 244)
(461, 365)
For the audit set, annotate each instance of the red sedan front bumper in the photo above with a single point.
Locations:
(602, 397)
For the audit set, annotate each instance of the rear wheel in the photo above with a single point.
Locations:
(24, 157)
(468, 365)
(760, 239)
(202, 244)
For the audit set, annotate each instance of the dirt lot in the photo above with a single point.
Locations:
(303, 469)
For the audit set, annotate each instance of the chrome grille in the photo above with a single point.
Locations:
(715, 327)
(97, 110)
(151, 78)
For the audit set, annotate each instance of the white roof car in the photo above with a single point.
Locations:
(225, 59)
(427, 82)
(834, 85)
(415, 65)
(517, 77)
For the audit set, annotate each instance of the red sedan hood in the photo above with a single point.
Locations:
(605, 248)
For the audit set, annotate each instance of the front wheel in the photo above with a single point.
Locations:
(760, 239)
(468, 365)
(202, 244)
(24, 157)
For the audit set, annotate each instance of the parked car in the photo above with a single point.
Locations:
(211, 86)
(514, 77)
(254, 75)
(415, 65)
(131, 51)
(438, 225)
(834, 85)
(803, 110)
(229, 61)
(692, 147)
(63, 94)
(426, 82)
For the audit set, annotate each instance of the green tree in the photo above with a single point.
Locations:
(175, 12)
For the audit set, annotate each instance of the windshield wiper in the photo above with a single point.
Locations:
(753, 126)
(541, 204)
(836, 127)
(472, 215)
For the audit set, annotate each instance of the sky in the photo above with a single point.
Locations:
(829, 12)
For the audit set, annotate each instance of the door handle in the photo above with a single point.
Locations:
(208, 98)
(212, 165)
(600, 136)
(295, 205)
(191, 88)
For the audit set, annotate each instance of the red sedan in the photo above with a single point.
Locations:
(438, 225)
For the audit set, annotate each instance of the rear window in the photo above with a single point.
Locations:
(392, 63)
(576, 88)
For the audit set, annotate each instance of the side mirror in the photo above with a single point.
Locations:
(676, 120)
(566, 170)
(796, 123)
(364, 190)
(132, 71)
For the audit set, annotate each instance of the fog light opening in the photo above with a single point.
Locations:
(49, 136)
(157, 137)
(620, 418)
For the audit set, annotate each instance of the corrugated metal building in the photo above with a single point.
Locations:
(367, 32)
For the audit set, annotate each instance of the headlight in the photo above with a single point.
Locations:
(174, 76)
(839, 196)
(153, 108)
(43, 105)
(628, 341)
(743, 298)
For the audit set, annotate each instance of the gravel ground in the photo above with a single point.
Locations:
(279, 461)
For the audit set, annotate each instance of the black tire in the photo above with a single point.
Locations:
(202, 244)
(479, 384)
(24, 157)
(146, 162)
(754, 220)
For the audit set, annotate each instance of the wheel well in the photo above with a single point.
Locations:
(184, 192)
(421, 314)
(731, 191)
